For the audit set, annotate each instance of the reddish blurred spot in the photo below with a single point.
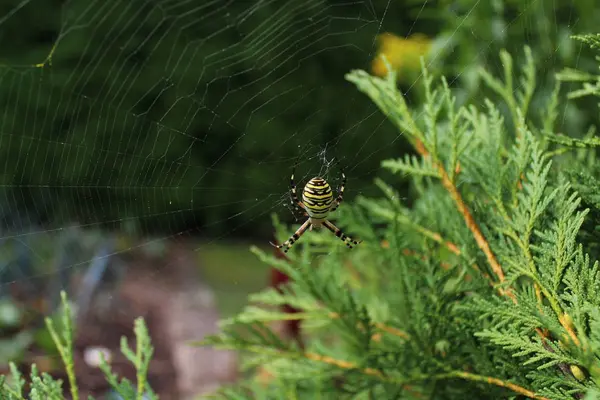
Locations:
(291, 327)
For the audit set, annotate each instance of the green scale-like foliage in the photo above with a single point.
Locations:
(484, 287)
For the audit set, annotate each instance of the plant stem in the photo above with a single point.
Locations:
(65, 355)
(496, 382)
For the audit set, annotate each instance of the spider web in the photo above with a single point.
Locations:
(157, 112)
(129, 83)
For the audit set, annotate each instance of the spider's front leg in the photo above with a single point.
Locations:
(288, 243)
(295, 200)
(340, 197)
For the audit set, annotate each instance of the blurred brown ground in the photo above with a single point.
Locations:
(177, 308)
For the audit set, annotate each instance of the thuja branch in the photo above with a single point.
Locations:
(493, 381)
(342, 364)
(391, 102)
(466, 213)
(470, 222)
(298, 316)
(446, 265)
(63, 340)
(405, 220)
(403, 381)
(281, 278)
(392, 331)
(385, 328)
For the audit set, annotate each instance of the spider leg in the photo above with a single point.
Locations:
(338, 232)
(293, 193)
(288, 243)
(340, 197)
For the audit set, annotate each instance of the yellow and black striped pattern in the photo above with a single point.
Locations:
(317, 197)
(317, 202)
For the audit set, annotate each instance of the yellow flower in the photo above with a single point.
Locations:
(402, 54)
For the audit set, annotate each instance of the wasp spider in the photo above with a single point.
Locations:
(317, 202)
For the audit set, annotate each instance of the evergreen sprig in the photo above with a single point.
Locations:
(589, 81)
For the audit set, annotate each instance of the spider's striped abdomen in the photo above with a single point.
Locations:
(317, 198)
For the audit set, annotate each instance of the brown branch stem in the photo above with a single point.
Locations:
(496, 382)
(469, 220)
(471, 224)
(454, 374)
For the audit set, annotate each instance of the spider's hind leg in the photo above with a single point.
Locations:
(338, 232)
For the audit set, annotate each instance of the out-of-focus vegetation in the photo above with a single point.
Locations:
(40, 385)
(231, 273)
(34, 267)
(184, 116)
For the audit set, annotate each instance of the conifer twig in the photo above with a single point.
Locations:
(496, 382)
(64, 344)
(435, 236)
(460, 204)
(469, 220)
(445, 265)
(385, 328)
(449, 245)
(564, 320)
(392, 331)
(343, 364)
(299, 316)
(471, 224)
(348, 365)
(385, 94)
